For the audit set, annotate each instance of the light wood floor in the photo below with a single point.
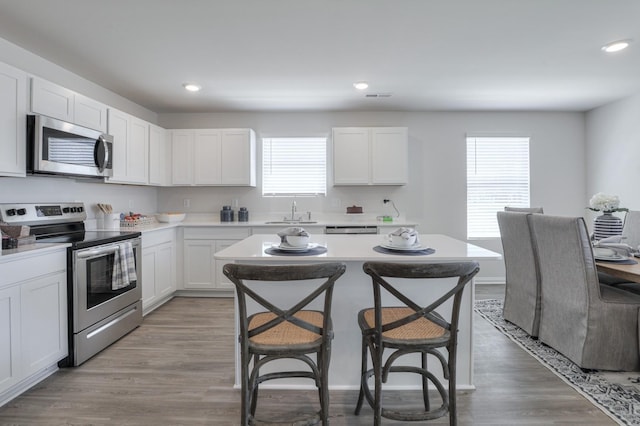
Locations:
(177, 369)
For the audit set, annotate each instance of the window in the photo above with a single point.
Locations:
(294, 166)
(497, 176)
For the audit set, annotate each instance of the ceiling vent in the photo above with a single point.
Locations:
(377, 95)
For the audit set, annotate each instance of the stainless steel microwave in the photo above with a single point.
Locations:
(61, 148)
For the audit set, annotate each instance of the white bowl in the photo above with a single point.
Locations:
(170, 217)
(603, 252)
(297, 240)
(399, 241)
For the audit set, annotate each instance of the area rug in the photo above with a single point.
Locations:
(616, 394)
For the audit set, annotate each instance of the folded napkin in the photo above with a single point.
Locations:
(294, 230)
(124, 267)
(615, 243)
(405, 233)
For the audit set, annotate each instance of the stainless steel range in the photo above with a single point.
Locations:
(104, 274)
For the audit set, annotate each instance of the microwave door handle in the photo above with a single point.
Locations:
(93, 253)
(100, 154)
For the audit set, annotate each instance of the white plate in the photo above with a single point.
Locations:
(287, 247)
(615, 257)
(415, 247)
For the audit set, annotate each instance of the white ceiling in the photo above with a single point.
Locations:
(302, 55)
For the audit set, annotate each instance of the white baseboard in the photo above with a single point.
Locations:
(489, 280)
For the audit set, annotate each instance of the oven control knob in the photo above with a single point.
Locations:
(80, 209)
(11, 212)
(66, 210)
(22, 212)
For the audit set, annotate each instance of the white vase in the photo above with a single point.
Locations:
(606, 225)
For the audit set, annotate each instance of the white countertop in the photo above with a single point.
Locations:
(356, 248)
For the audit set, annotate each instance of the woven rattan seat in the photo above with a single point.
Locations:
(409, 329)
(291, 332)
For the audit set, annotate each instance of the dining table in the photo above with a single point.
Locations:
(354, 291)
(624, 271)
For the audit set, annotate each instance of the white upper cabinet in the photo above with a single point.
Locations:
(13, 116)
(158, 156)
(130, 148)
(58, 102)
(215, 157)
(370, 156)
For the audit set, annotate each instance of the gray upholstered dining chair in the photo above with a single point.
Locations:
(594, 325)
(295, 332)
(524, 209)
(522, 289)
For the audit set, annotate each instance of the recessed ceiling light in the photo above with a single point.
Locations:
(616, 46)
(192, 87)
(361, 85)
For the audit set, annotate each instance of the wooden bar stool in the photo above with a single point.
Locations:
(411, 328)
(277, 333)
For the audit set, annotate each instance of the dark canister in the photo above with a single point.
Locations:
(226, 214)
(243, 215)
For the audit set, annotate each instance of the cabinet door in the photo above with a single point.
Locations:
(51, 100)
(199, 266)
(157, 155)
(222, 282)
(119, 128)
(138, 151)
(13, 114)
(165, 270)
(389, 156)
(10, 354)
(149, 267)
(43, 303)
(351, 157)
(90, 113)
(238, 157)
(207, 161)
(181, 157)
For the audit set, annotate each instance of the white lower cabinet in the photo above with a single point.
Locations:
(33, 319)
(158, 268)
(201, 270)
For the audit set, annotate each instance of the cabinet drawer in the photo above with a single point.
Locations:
(154, 238)
(216, 233)
(33, 266)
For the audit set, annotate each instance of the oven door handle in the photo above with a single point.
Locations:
(92, 253)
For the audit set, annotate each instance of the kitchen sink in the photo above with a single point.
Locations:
(290, 222)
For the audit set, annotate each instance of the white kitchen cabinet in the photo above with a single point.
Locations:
(201, 270)
(158, 268)
(44, 310)
(370, 156)
(10, 337)
(13, 115)
(33, 318)
(130, 148)
(213, 157)
(158, 156)
(58, 102)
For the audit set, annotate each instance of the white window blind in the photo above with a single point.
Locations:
(294, 166)
(497, 176)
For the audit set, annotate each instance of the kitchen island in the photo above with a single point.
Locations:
(353, 291)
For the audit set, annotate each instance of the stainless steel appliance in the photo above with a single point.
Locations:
(58, 147)
(351, 229)
(99, 312)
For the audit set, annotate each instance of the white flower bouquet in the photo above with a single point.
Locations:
(605, 203)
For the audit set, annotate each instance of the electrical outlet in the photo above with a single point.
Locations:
(186, 203)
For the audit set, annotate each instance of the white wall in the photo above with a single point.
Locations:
(436, 194)
(613, 150)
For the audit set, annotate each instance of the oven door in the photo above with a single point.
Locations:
(97, 293)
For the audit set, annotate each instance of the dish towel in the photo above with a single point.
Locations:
(124, 267)
(294, 230)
